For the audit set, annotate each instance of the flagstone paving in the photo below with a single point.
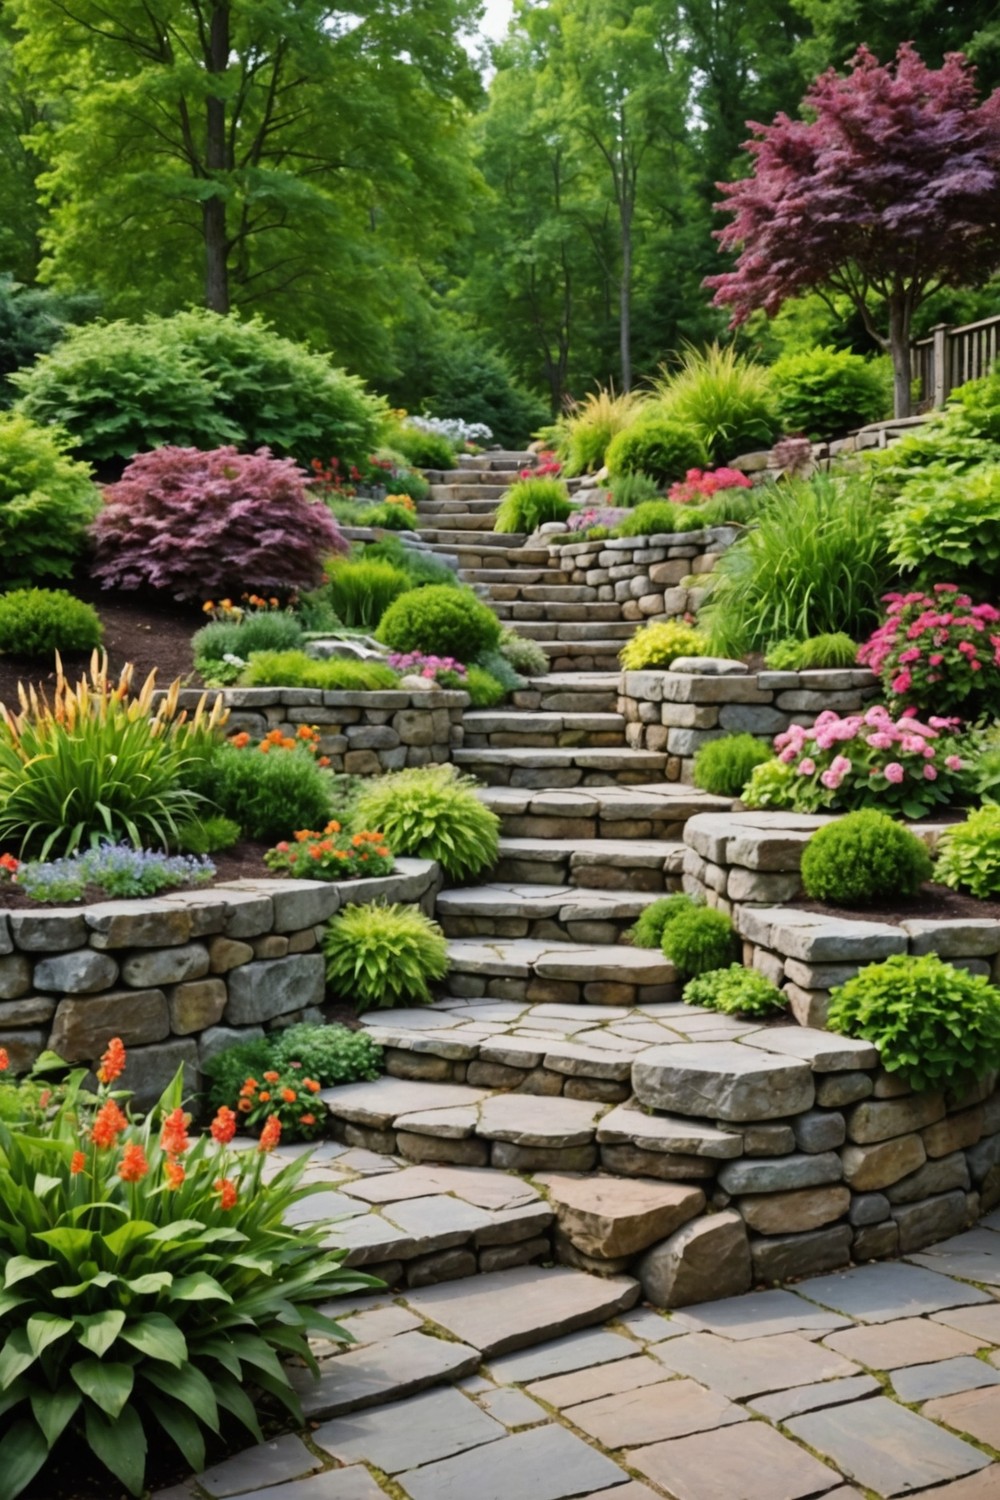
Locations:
(879, 1381)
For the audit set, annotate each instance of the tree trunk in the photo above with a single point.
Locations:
(625, 299)
(899, 349)
(214, 207)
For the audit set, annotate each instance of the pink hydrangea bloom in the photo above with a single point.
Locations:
(894, 772)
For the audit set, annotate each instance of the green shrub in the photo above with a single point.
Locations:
(440, 622)
(698, 940)
(483, 688)
(38, 622)
(629, 490)
(947, 526)
(819, 653)
(330, 1054)
(651, 923)
(269, 796)
(47, 501)
(824, 392)
(736, 991)
(525, 656)
(431, 812)
(529, 503)
(724, 766)
(660, 518)
(376, 514)
(360, 590)
(333, 674)
(863, 858)
(384, 955)
(593, 423)
(420, 567)
(968, 854)
(499, 668)
(428, 450)
(208, 835)
(771, 784)
(259, 630)
(931, 1022)
(733, 507)
(658, 643)
(723, 399)
(657, 445)
(815, 563)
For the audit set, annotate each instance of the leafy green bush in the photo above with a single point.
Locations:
(658, 643)
(420, 567)
(648, 929)
(330, 1054)
(724, 766)
(47, 501)
(698, 940)
(268, 795)
(384, 955)
(629, 490)
(818, 653)
(823, 392)
(931, 1022)
(428, 450)
(441, 622)
(814, 564)
(525, 656)
(529, 503)
(736, 991)
(660, 518)
(32, 320)
(333, 674)
(946, 525)
(658, 445)
(592, 425)
(863, 858)
(732, 507)
(499, 668)
(771, 784)
(378, 515)
(259, 630)
(483, 688)
(432, 813)
(207, 835)
(38, 622)
(142, 1320)
(198, 380)
(968, 854)
(360, 590)
(723, 399)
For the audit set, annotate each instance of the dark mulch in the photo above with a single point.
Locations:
(934, 902)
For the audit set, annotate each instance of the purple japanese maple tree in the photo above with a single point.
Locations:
(886, 191)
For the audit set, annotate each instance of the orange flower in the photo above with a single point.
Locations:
(109, 1123)
(226, 1190)
(264, 1096)
(301, 835)
(77, 1163)
(324, 760)
(174, 1137)
(4, 1060)
(223, 1126)
(174, 1173)
(305, 733)
(307, 1119)
(270, 1135)
(282, 848)
(239, 741)
(244, 1106)
(264, 748)
(207, 607)
(134, 1165)
(273, 737)
(249, 1087)
(271, 1076)
(289, 1096)
(311, 1085)
(113, 1061)
(44, 1099)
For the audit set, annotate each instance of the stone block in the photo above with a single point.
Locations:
(15, 976)
(82, 972)
(939, 1176)
(262, 990)
(797, 1211)
(82, 1028)
(784, 1256)
(142, 924)
(876, 1241)
(748, 718)
(53, 931)
(150, 1069)
(723, 1081)
(933, 1219)
(33, 1010)
(248, 913)
(753, 885)
(954, 1133)
(880, 1165)
(881, 1119)
(706, 1259)
(305, 903)
(837, 1089)
(227, 953)
(781, 1174)
(166, 966)
(868, 1208)
(606, 1219)
(197, 1005)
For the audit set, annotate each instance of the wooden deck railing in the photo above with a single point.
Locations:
(949, 357)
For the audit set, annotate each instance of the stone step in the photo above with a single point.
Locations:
(503, 729)
(453, 536)
(459, 520)
(582, 656)
(465, 489)
(524, 576)
(524, 969)
(599, 632)
(561, 767)
(517, 610)
(526, 591)
(595, 864)
(548, 913)
(657, 811)
(570, 692)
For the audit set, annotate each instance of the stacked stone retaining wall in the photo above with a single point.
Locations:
(646, 575)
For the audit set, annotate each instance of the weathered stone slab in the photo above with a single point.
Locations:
(882, 1293)
(781, 1257)
(886, 1447)
(754, 1366)
(577, 1351)
(547, 1463)
(268, 988)
(949, 1377)
(802, 1398)
(709, 1257)
(424, 1429)
(608, 1217)
(879, 1166)
(822, 1050)
(381, 1372)
(271, 1462)
(653, 1413)
(667, 1133)
(725, 1081)
(780, 1173)
(752, 1461)
(794, 1212)
(531, 1120)
(882, 1119)
(591, 1384)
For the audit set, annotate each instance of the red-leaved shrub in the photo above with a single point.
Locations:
(202, 525)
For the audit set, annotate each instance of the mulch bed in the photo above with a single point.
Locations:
(932, 902)
(245, 861)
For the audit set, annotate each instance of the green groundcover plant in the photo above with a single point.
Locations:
(379, 956)
(151, 1283)
(931, 1022)
(328, 1054)
(431, 812)
(969, 854)
(659, 643)
(723, 767)
(819, 653)
(735, 991)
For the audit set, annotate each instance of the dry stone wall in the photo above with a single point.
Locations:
(647, 576)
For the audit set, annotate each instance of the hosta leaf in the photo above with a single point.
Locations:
(22, 1453)
(125, 1236)
(108, 1384)
(101, 1281)
(20, 1267)
(16, 1356)
(153, 1281)
(53, 1409)
(44, 1328)
(120, 1445)
(198, 1288)
(73, 1243)
(190, 1387)
(98, 1331)
(182, 1428)
(159, 1337)
(233, 1398)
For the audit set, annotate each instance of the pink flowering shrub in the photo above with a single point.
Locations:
(938, 649)
(873, 760)
(701, 484)
(200, 525)
(583, 520)
(446, 670)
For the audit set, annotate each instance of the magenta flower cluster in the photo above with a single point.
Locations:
(416, 664)
(873, 760)
(699, 484)
(938, 649)
(583, 520)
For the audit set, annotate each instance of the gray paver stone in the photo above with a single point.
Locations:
(410, 1433)
(774, 1311)
(753, 1462)
(652, 1413)
(882, 1293)
(269, 1463)
(579, 1351)
(512, 1408)
(381, 1372)
(354, 1483)
(784, 1404)
(599, 1380)
(886, 1447)
(755, 1366)
(547, 1463)
(948, 1378)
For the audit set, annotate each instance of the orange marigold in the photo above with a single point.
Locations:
(113, 1061)
(174, 1173)
(249, 1087)
(4, 1060)
(134, 1165)
(77, 1163)
(239, 741)
(264, 1096)
(109, 1122)
(271, 1076)
(270, 1135)
(223, 1126)
(244, 1106)
(307, 1119)
(174, 1137)
(289, 1096)
(311, 1085)
(226, 1189)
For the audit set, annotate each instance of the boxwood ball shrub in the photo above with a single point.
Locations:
(656, 446)
(268, 795)
(823, 392)
(428, 450)
(47, 502)
(431, 812)
(440, 621)
(698, 940)
(659, 643)
(864, 857)
(736, 991)
(931, 1022)
(38, 622)
(529, 503)
(968, 854)
(724, 766)
(485, 690)
(204, 525)
(379, 956)
(651, 923)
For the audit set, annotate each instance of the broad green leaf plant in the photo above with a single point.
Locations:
(149, 1284)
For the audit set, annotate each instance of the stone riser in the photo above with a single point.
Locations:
(534, 589)
(568, 739)
(557, 777)
(538, 991)
(456, 536)
(585, 631)
(580, 659)
(519, 610)
(458, 521)
(554, 929)
(586, 877)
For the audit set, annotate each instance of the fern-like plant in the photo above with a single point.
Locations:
(384, 955)
(432, 812)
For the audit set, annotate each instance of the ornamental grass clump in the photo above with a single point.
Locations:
(722, 397)
(968, 854)
(360, 590)
(593, 423)
(938, 651)
(332, 674)
(935, 1024)
(529, 503)
(431, 812)
(153, 1286)
(381, 956)
(100, 763)
(862, 859)
(818, 653)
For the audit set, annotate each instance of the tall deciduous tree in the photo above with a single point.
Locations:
(890, 188)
